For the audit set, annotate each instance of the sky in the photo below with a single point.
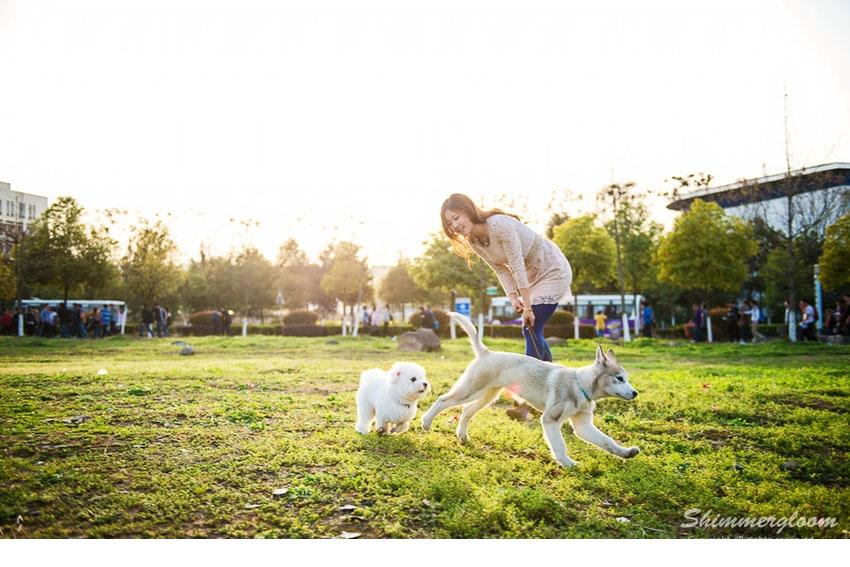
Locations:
(245, 122)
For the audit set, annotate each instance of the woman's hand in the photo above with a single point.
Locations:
(528, 318)
(516, 302)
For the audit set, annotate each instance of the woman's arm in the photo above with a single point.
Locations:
(503, 230)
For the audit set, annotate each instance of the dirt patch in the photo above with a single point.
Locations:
(717, 437)
(809, 402)
(320, 390)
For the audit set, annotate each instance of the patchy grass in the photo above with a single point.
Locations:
(170, 446)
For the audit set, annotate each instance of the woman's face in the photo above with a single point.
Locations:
(458, 222)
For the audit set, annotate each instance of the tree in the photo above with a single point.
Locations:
(555, 219)
(348, 278)
(102, 278)
(398, 288)
(8, 287)
(150, 268)
(61, 252)
(835, 260)
(776, 280)
(635, 236)
(254, 277)
(292, 274)
(590, 250)
(440, 271)
(195, 290)
(706, 251)
(767, 240)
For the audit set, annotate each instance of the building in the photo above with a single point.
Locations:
(17, 211)
(821, 194)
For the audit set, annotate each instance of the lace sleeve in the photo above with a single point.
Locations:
(503, 273)
(508, 237)
(505, 278)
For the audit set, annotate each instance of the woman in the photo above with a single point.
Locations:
(532, 270)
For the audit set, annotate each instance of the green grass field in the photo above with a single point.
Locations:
(172, 446)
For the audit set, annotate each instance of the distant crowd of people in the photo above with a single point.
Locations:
(376, 321)
(65, 322)
(742, 322)
(836, 321)
(154, 321)
(647, 320)
(222, 319)
(427, 318)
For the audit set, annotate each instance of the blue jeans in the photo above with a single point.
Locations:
(542, 313)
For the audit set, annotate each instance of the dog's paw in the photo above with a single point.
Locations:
(568, 463)
(426, 426)
(632, 452)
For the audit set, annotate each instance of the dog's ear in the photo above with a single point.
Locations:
(600, 356)
(611, 356)
(395, 371)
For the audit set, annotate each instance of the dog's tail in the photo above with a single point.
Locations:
(467, 325)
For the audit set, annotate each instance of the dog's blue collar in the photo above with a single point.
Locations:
(583, 391)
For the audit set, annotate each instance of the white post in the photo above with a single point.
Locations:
(356, 323)
(124, 320)
(708, 328)
(244, 326)
(21, 324)
(792, 325)
(481, 325)
(452, 330)
(627, 337)
(344, 325)
(575, 326)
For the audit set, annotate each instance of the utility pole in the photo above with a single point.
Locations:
(616, 193)
(789, 240)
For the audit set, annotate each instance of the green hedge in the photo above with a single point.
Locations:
(442, 316)
(303, 331)
(719, 331)
(490, 331)
(301, 317)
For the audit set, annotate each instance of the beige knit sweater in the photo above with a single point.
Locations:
(523, 258)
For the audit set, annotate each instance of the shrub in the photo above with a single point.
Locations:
(292, 330)
(301, 317)
(203, 318)
(515, 331)
(442, 317)
(561, 317)
(203, 330)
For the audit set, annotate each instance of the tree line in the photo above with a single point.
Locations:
(708, 256)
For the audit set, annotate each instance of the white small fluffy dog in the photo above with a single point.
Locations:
(389, 397)
(558, 392)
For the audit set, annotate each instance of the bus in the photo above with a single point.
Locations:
(588, 305)
(87, 305)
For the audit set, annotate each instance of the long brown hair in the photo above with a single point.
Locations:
(459, 202)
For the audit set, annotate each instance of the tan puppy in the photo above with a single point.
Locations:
(557, 391)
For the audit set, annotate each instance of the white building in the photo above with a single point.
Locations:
(17, 209)
(821, 194)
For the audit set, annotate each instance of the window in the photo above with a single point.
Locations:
(21, 211)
